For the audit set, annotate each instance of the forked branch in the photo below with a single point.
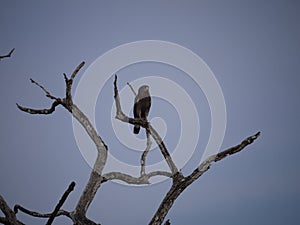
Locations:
(60, 203)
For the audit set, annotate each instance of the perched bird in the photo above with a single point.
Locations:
(142, 104)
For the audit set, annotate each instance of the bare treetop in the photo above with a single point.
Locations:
(97, 178)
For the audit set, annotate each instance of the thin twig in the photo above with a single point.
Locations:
(60, 203)
(57, 102)
(18, 208)
(132, 89)
(44, 89)
(7, 55)
(67, 102)
(181, 184)
(40, 111)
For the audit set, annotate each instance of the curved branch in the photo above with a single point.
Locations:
(205, 165)
(18, 208)
(48, 95)
(60, 203)
(132, 89)
(57, 102)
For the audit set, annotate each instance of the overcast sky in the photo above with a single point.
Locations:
(252, 48)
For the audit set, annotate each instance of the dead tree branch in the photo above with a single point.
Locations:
(132, 89)
(18, 208)
(180, 185)
(57, 212)
(60, 203)
(7, 55)
(48, 95)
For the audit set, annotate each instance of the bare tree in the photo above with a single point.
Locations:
(97, 177)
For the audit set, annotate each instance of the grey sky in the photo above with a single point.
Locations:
(251, 46)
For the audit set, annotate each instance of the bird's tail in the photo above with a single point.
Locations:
(136, 129)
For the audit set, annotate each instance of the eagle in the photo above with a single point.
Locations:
(141, 107)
